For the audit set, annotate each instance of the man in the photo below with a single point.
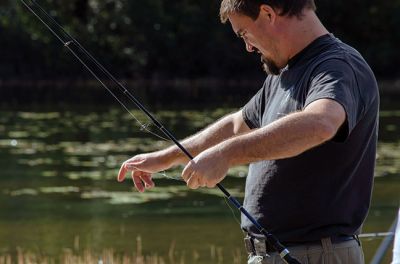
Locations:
(309, 136)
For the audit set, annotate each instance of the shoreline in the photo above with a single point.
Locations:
(389, 85)
(188, 92)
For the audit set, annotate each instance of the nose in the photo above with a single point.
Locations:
(249, 47)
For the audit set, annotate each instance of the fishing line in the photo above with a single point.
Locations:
(237, 220)
(164, 174)
(68, 41)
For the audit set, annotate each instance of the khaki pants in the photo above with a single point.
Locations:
(348, 252)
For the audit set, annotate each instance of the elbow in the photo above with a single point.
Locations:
(238, 124)
(325, 131)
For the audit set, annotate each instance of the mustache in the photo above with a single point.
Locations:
(256, 50)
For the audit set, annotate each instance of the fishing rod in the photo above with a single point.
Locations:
(71, 43)
(376, 235)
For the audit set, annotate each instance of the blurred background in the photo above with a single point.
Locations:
(63, 136)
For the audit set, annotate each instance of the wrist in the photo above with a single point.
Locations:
(226, 152)
(174, 156)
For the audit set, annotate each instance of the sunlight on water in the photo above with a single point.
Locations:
(126, 197)
(23, 192)
(38, 116)
(59, 169)
(388, 159)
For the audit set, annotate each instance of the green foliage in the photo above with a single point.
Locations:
(172, 39)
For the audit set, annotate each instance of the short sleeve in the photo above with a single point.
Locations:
(335, 79)
(252, 111)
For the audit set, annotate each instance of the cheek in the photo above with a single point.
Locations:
(262, 44)
(270, 48)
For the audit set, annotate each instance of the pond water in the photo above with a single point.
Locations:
(59, 195)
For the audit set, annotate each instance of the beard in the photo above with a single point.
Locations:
(269, 66)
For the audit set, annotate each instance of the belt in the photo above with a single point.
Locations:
(261, 247)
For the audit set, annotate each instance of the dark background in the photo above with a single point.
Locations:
(167, 48)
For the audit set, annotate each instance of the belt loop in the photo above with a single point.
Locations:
(248, 242)
(357, 239)
(327, 250)
(327, 245)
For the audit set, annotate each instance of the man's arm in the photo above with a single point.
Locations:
(143, 165)
(290, 135)
(223, 129)
(284, 138)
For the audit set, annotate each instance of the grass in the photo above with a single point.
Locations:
(110, 256)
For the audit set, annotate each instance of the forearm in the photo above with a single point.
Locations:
(287, 137)
(214, 134)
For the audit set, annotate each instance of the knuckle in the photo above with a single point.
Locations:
(210, 184)
(193, 186)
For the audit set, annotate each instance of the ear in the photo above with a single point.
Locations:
(268, 13)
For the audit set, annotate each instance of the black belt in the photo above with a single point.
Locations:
(260, 246)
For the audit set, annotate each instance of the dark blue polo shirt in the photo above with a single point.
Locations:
(326, 190)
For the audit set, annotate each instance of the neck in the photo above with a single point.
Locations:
(299, 33)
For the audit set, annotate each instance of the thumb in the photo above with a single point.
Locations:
(187, 171)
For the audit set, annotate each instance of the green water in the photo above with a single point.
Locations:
(58, 187)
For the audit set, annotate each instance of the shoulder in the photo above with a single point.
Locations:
(343, 63)
(341, 57)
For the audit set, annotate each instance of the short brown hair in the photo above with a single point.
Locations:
(251, 8)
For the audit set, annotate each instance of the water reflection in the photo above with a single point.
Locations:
(59, 169)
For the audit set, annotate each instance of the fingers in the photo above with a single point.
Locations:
(189, 176)
(211, 184)
(146, 178)
(129, 165)
(142, 180)
(193, 179)
(187, 171)
(193, 182)
(122, 172)
(137, 181)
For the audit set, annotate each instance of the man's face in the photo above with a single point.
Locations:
(258, 39)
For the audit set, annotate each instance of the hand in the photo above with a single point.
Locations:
(142, 166)
(206, 169)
